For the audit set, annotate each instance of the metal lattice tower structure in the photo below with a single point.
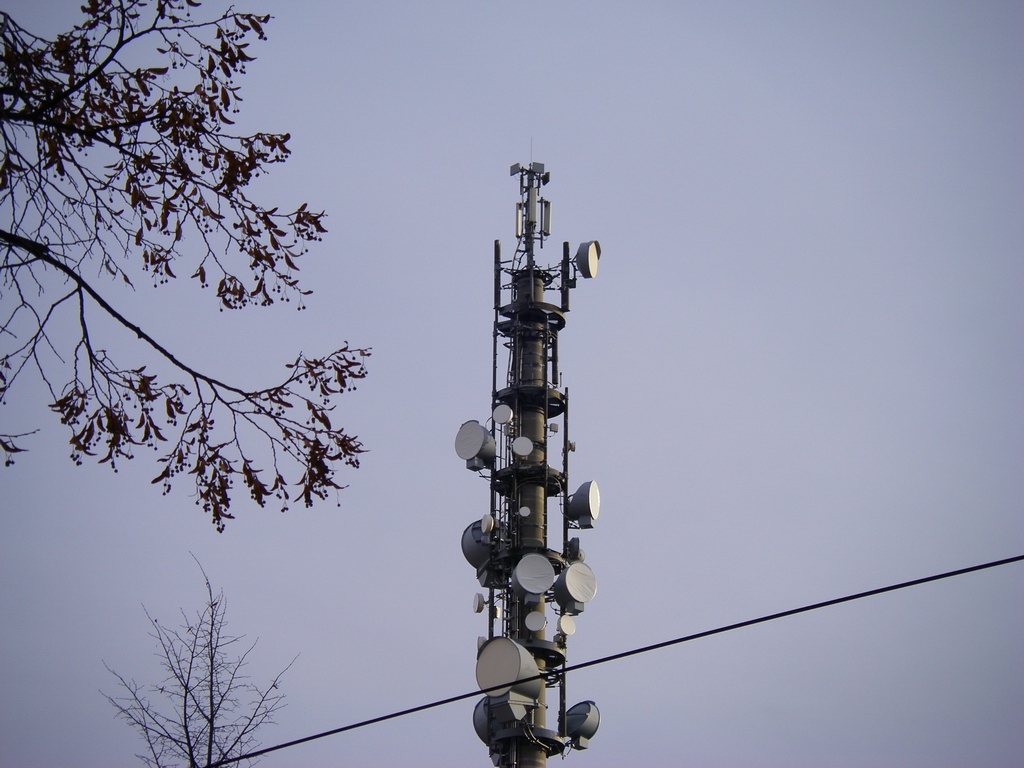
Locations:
(523, 451)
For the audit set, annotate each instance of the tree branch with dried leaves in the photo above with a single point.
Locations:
(132, 172)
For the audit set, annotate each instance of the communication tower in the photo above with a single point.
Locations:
(523, 451)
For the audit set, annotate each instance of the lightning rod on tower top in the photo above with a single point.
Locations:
(522, 450)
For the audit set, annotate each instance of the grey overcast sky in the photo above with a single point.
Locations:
(799, 374)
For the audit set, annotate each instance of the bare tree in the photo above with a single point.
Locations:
(206, 710)
(120, 165)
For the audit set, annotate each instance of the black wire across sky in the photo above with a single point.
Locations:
(626, 654)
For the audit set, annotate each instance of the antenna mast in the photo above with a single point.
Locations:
(527, 468)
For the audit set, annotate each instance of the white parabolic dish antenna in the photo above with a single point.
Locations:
(586, 502)
(482, 721)
(535, 621)
(503, 661)
(502, 414)
(475, 546)
(566, 625)
(576, 583)
(582, 721)
(522, 446)
(533, 575)
(474, 441)
(587, 257)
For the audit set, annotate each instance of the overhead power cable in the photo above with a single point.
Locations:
(625, 654)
